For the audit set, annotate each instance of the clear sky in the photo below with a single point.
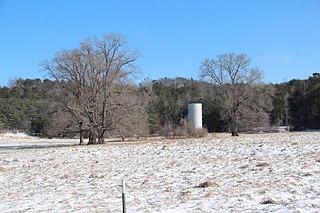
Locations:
(282, 37)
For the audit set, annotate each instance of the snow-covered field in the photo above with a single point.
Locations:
(277, 172)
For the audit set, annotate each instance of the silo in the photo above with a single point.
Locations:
(195, 115)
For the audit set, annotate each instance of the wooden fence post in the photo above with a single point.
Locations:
(123, 196)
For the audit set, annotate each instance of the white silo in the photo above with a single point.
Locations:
(195, 115)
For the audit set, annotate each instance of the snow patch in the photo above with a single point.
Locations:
(252, 173)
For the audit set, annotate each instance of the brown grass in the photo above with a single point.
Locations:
(268, 201)
(206, 184)
(2, 169)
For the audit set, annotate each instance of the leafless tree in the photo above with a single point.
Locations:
(95, 79)
(256, 111)
(132, 119)
(238, 84)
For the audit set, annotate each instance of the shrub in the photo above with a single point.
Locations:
(197, 133)
(185, 130)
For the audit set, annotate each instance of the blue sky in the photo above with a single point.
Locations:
(282, 37)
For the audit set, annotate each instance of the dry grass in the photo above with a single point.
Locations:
(268, 201)
(249, 173)
(2, 169)
(206, 184)
(198, 133)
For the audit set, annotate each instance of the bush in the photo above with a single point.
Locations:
(184, 131)
(197, 133)
(181, 132)
(167, 131)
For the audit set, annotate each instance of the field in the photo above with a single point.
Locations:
(277, 172)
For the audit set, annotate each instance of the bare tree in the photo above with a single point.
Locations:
(256, 111)
(132, 119)
(238, 84)
(94, 79)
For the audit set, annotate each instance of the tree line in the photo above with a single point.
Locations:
(92, 92)
(31, 105)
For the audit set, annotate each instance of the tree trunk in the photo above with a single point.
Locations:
(81, 133)
(122, 136)
(234, 133)
(92, 136)
(234, 127)
(101, 136)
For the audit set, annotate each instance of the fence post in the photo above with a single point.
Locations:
(123, 196)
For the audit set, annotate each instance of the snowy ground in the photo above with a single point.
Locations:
(277, 172)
